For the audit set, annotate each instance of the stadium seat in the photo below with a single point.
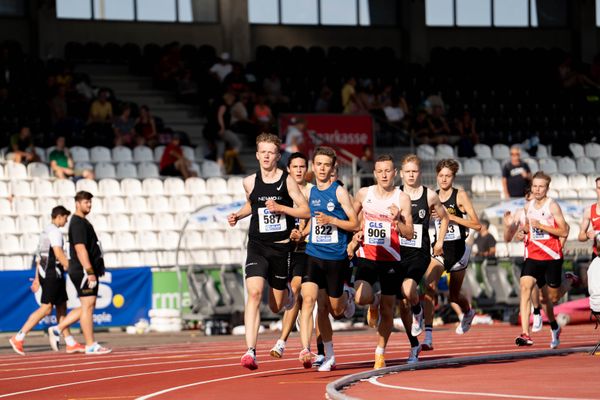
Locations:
(577, 150)
(188, 152)
(493, 184)
(444, 151)
(152, 187)
(109, 187)
(15, 263)
(20, 188)
(482, 151)
(195, 186)
(578, 182)
(100, 154)
(69, 202)
(46, 204)
(235, 186)
(598, 164)
(130, 259)
(425, 152)
(158, 204)
(548, 165)
(106, 241)
(559, 182)
(105, 170)
(491, 167)
(99, 221)
(147, 240)
(2, 176)
(118, 221)
(181, 203)
(543, 151)
(80, 154)
(210, 169)
(25, 206)
(533, 164)
(4, 189)
(14, 170)
(64, 187)
(566, 165)
(143, 154)
(136, 204)
(569, 194)
(164, 221)
(28, 223)
(38, 170)
(478, 184)
(8, 224)
(201, 201)
(88, 185)
(158, 152)
(121, 154)
(472, 166)
(592, 150)
(585, 166)
(216, 186)
(501, 152)
(141, 222)
(148, 170)
(587, 194)
(114, 204)
(174, 186)
(42, 187)
(124, 241)
(29, 242)
(132, 187)
(126, 170)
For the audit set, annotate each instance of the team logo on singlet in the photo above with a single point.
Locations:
(330, 206)
(422, 213)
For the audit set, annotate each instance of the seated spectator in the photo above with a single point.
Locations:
(22, 147)
(62, 165)
(468, 137)
(145, 128)
(173, 162)
(516, 175)
(484, 244)
(240, 121)
(101, 111)
(263, 115)
(420, 128)
(236, 81)
(222, 67)
(439, 126)
(273, 91)
(350, 102)
(396, 110)
(124, 127)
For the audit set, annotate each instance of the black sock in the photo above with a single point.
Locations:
(429, 328)
(536, 311)
(416, 309)
(320, 348)
(554, 325)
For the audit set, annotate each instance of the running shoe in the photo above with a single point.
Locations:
(373, 316)
(418, 324)
(379, 361)
(249, 360)
(76, 348)
(413, 356)
(96, 350)
(328, 365)
(575, 280)
(17, 345)
(523, 340)
(537, 323)
(465, 323)
(555, 338)
(54, 338)
(305, 358)
(427, 344)
(350, 306)
(319, 360)
(278, 349)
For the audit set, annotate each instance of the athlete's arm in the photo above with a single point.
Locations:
(404, 225)
(434, 200)
(84, 258)
(359, 198)
(562, 229)
(349, 225)
(61, 257)
(465, 202)
(246, 209)
(510, 226)
(584, 225)
(300, 210)
(35, 284)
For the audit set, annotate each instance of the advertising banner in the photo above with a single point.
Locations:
(124, 296)
(349, 132)
(165, 291)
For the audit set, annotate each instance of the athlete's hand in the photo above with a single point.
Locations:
(591, 234)
(351, 248)
(508, 219)
(232, 219)
(92, 281)
(520, 235)
(35, 285)
(535, 224)
(433, 213)
(272, 206)
(438, 249)
(394, 212)
(296, 235)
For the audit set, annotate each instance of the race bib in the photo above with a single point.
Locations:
(538, 234)
(270, 222)
(323, 234)
(377, 233)
(453, 232)
(417, 238)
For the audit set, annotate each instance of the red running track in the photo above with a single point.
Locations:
(210, 370)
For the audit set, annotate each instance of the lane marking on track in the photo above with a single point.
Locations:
(374, 381)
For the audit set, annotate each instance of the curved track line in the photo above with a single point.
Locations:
(374, 381)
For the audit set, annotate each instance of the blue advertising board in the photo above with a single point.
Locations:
(124, 296)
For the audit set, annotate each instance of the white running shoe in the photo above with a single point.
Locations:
(413, 356)
(465, 323)
(54, 338)
(96, 349)
(350, 306)
(555, 338)
(278, 349)
(319, 360)
(328, 365)
(418, 324)
(537, 323)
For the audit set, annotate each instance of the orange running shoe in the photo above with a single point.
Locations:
(76, 348)
(17, 345)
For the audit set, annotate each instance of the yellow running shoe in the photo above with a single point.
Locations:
(379, 361)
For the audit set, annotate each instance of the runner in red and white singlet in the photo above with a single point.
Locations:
(591, 216)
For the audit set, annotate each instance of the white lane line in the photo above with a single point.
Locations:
(374, 381)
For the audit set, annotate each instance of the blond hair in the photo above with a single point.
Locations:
(268, 138)
(411, 158)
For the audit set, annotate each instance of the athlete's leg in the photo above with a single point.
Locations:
(527, 283)
(386, 308)
(310, 291)
(431, 277)
(289, 317)
(455, 295)
(364, 292)
(35, 317)
(254, 288)
(547, 305)
(86, 321)
(72, 317)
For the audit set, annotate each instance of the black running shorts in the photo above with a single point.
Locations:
(269, 261)
(544, 271)
(327, 274)
(389, 274)
(83, 290)
(54, 288)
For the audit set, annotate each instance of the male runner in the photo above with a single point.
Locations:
(332, 219)
(416, 252)
(386, 215)
(591, 216)
(51, 265)
(86, 266)
(456, 252)
(271, 194)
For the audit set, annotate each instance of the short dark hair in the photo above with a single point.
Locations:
(83, 195)
(485, 223)
(297, 155)
(325, 151)
(59, 210)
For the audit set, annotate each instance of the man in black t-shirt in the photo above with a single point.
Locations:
(86, 266)
(516, 175)
(485, 243)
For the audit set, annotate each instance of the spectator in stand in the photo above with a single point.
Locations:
(240, 121)
(366, 166)
(222, 67)
(224, 112)
(396, 109)
(350, 102)
(22, 147)
(62, 165)
(263, 114)
(273, 91)
(145, 128)
(294, 138)
(420, 129)
(438, 125)
(516, 175)
(173, 162)
(571, 78)
(101, 111)
(58, 105)
(124, 127)
(236, 81)
(323, 103)
(484, 244)
(468, 137)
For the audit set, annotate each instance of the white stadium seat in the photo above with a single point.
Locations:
(158, 204)
(109, 187)
(88, 185)
(105, 170)
(100, 154)
(548, 165)
(577, 150)
(38, 170)
(559, 182)
(115, 204)
(136, 204)
(592, 150)
(482, 151)
(148, 170)
(8, 224)
(118, 222)
(210, 168)
(216, 186)
(142, 154)
(444, 151)
(126, 170)
(28, 223)
(121, 154)
(585, 166)
(80, 154)
(500, 151)
(42, 187)
(152, 187)
(566, 165)
(14, 170)
(20, 188)
(131, 187)
(158, 152)
(5, 207)
(141, 222)
(578, 182)
(425, 152)
(195, 186)
(491, 167)
(472, 166)
(25, 206)
(188, 152)
(174, 186)
(533, 165)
